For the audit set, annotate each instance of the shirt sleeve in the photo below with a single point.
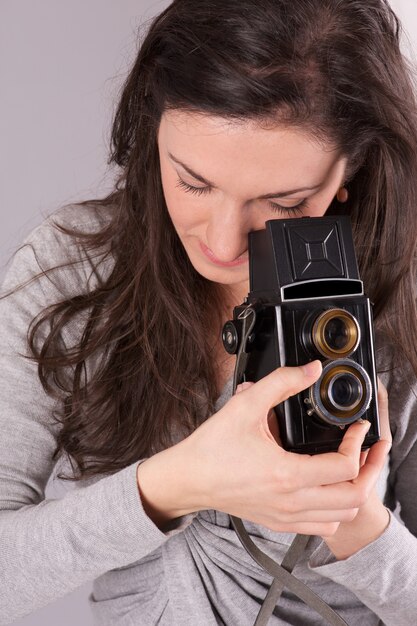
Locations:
(383, 575)
(50, 547)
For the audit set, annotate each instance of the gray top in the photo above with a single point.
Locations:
(197, 572)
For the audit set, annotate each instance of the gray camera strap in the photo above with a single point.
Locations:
(281, 573)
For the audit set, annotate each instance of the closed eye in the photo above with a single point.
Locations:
(191, 189)
(291, 210)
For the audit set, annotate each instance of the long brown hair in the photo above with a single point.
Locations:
(332, 67)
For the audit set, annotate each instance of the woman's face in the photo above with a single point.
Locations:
(222, 180)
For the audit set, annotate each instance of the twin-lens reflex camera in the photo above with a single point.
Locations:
(306, 301)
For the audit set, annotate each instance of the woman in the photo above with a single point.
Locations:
(234, 113)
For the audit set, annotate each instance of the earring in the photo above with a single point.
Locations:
(342, 195)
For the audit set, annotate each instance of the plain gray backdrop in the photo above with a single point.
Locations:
(61, 68)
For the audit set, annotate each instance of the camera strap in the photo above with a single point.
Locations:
(281, 573)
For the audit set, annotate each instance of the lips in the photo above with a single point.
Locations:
(243, 258)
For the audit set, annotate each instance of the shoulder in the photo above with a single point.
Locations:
(53, 242)
(398, 376)
(51, 253)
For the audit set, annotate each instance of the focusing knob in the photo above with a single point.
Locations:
(231, 336)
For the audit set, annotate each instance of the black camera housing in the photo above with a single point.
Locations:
(309, 303)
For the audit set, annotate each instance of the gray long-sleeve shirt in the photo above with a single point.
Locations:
(197, 572)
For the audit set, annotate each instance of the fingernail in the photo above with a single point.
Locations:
(365, 423)
(311, 369)
(243, 386)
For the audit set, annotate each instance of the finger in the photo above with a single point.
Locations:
(320, 515)
(243, 386)
(324, 529)
(273, 427)
(282, 383)
(335, 467)
(374, 464)
(356, 494)
(339, 497)
(383, 412)
(347, 494)
(363, 456)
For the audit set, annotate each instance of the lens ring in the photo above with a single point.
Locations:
(338, 370)
(335, 333)
(325, 406)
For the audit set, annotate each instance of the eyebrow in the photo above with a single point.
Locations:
(278, 194)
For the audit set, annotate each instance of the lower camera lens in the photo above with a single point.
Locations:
(343, 392)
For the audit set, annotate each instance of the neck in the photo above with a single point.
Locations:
(235, 295)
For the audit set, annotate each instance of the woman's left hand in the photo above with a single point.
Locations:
(372, 517)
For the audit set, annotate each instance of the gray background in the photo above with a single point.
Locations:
(61, 68)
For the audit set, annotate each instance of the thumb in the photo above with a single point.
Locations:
(282, 383)
(271, 419)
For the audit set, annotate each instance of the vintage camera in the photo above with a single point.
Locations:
(306, 301)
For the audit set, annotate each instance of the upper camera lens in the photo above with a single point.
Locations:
(335, 333)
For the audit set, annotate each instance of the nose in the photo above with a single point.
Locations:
(227, 232)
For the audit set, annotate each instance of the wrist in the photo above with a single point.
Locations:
(164, 486)
(369, 524)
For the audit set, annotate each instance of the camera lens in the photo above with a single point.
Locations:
(335, 333)
(343, 392)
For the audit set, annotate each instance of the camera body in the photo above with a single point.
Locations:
(306, 301)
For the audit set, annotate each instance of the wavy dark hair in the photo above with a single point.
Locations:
(333, 68)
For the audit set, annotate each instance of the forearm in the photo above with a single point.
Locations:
(50, 548)
(382, 575)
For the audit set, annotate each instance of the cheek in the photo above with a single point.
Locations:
(320, 206)
(185, 212)
(185, 209)
(317, 211)
(174, 205)
(177, 205)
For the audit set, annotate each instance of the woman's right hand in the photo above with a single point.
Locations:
(233, 463)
